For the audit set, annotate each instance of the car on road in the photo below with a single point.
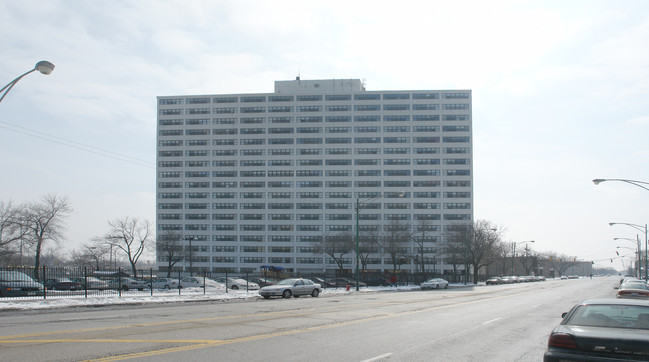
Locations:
(126, 284)
(602, 330)
(18, 284)
(633, 290)
(165, 283)
(494, 281)
(435, 283)
(62, 284)
(92, 283)
(295, 287)
(237, 283)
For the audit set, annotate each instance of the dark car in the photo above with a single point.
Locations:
(377, 281)
(343, 282)
(62, 284)
(17, 284)
(494, 281)
(324, 283)
(602, 330)
(263, 282)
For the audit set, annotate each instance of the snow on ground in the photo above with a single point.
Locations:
(164, 296)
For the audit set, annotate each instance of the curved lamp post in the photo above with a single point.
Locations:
(359, 204)
(642, 228)
(638, 253)
(598, 181)
(43, 66)
(514, 251)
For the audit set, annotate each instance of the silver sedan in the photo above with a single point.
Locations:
(295, 287)
(434, 283)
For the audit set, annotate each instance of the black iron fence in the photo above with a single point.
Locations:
(55, 282)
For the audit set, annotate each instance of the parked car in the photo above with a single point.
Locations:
(262, 282)
(17, 284)
(199, 282)
(324, 283)
(343, 282)
(237, 283)
(92, 283)
(601, 330)
(295, 287)
(62, 284)
(166, 283)
(434, 283)
(377, 281)
(494, 281)
(127, 284)
(633, 290)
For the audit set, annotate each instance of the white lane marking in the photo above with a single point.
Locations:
(377, 358)
(491, 321)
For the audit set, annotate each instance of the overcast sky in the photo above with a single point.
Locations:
(560, 97)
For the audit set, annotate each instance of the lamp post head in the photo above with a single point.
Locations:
(44, 67)
(597, 181)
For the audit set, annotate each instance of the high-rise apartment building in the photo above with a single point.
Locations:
(261, 179)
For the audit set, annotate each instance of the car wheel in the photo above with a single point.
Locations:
(446, 286)
(315, 293)
(437, 286)
(234, 287)
(167, 287)
(125, 288)
(287, 294)
(266, 296)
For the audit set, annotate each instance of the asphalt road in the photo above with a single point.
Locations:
(494, 323)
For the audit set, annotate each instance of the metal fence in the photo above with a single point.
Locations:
(54, 282)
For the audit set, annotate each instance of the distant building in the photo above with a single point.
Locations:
(259, 179)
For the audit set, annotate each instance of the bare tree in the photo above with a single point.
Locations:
(456, 247)
(95, 251)
(131, 236)
(481, 240)
(528, 260)
(368, 244)
(420, 237)
(11, 229)
(170, 249)
(44, 221)
(336, 246)
(395, 241)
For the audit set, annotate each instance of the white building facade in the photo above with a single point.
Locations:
(253, 180)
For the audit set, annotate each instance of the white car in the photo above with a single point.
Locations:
(199, 282)
(126, 284)
(166, 283)
(238, 283)
(291, 287)
(434, 283)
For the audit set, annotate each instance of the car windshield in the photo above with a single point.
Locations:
(287, 282)
(612, 316)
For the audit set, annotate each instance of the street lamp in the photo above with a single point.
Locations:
(642, 228)
(43, 66)
(638, 253)
(514, 251)
(400, 194)
(598, 181)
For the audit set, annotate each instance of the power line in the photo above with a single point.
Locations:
(76, 145)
